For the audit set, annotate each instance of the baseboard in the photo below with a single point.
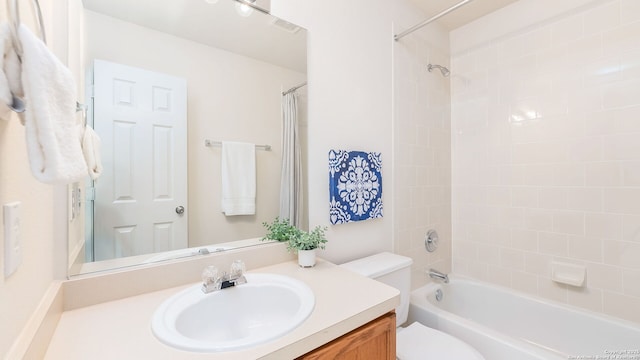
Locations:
(33, 341)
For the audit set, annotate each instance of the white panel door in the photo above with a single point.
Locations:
(141, 117)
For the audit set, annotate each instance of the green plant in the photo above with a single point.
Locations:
(308, 240)
(280, 230)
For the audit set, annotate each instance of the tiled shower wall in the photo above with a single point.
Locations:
(546, 157)
(422, 149)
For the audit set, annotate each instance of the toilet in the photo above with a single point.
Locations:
(416, 341)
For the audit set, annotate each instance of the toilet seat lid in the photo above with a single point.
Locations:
(417, 341)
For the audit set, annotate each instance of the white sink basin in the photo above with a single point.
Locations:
(265, 308)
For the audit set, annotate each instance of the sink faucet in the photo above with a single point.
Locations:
(435, 274)
(212, 280)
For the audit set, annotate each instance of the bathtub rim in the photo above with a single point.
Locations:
(419, 298)
(535, 298)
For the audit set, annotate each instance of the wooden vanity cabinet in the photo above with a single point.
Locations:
(375, 340)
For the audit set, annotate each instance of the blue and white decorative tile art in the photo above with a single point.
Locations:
(355, 186)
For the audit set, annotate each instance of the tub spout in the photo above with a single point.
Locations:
(435, 274)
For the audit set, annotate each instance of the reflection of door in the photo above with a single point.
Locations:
(141, 117)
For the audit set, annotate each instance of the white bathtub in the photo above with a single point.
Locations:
(503, 324)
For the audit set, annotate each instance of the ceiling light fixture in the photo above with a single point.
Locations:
(243, 8)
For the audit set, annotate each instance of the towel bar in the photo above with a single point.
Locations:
(210, 143)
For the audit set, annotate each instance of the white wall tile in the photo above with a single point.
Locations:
(567, 30)
(605, 277)
(526, 240)
(602, 18)
(603, 174)
(553, 244)
(631, 281)
(524, 196)
(629, 11)
(603, 226)
(631, 228)
(538, 219)
(512, 259)
(558, 129)
(552, 198)
(537, 263)
(622, 200)
(524, 282)
(630, 173)
(552, 290)
(622, 38)
(584, 248)
(584, 199)
(622, 306)
(586, 298)
(568, 222)
(621, 94)
(422, 156)
(622, 253)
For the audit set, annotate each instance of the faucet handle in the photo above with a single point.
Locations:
(237, 269)
(211, 278)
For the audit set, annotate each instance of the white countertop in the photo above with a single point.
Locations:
(121, 329)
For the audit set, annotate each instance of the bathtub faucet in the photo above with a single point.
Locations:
(435, 274)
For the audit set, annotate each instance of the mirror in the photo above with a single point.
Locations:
(218, 71)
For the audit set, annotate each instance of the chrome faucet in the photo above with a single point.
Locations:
(212, 280)
(435, 274)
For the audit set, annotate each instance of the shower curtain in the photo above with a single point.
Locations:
(291, 174)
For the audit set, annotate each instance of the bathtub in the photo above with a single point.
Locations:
(503, 324)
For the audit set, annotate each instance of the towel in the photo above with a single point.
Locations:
(9, 73)
(238, 178)
(53, 132)
(5, 93)
(91, 150)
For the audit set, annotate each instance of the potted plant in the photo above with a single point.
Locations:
(306, 243)
(302, 242)
(280, 230)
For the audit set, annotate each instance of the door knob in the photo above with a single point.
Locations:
(180, 210)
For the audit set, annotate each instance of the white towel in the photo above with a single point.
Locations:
(9, 73)
(5, 48)
(91, 150)
(53, 132)
(238, 178)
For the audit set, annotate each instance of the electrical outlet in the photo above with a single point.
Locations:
(12, 246)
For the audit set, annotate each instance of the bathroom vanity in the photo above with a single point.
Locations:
(375, 340)
(352, 315)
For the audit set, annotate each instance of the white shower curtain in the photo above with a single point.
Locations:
(291, 174)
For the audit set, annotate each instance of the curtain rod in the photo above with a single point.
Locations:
(430, 20)
(295, 88)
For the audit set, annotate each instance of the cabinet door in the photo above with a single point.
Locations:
(373, 341)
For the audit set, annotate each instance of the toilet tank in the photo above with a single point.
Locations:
(391, 269)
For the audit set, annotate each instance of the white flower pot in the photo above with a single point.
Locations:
(307, 258)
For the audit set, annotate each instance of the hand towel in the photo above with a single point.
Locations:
(238, 178)
(53, 132)
(91, 150)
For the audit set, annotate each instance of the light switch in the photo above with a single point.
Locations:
(12, 246)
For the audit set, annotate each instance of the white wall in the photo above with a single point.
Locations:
(546, 160)
(352, 86)
(43, 209)
(231, 98)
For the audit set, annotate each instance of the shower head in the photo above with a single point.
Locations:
(445, 72)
